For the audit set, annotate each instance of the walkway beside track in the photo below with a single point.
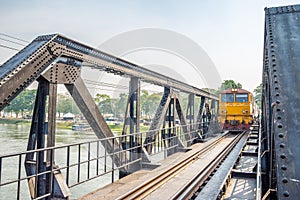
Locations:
(122, 186)
(243, 182)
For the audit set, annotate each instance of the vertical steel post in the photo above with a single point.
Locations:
(51, 117)
(51, 133)
(171, 126)
(41, 131)
(132, 119)
(191, 112)
(213, 108)
(199, 116)
(134, 109)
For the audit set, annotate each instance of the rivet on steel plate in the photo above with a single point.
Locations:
(283, 156)
(282, 145)
(286, 194)
(284, 180)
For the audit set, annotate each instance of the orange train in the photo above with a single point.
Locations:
(236, 109)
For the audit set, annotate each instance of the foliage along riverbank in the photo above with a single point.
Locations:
(14, 121)
(63, 124)
(59, 125)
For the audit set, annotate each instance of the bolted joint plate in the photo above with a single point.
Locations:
(61, 73)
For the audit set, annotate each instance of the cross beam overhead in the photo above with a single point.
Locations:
(22, 69)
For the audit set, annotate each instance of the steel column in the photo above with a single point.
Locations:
(51, 119)
(41, 184)
(132, 119)
(134, 99)
(199, 117)
(191, 111)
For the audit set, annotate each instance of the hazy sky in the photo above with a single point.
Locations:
(230, 32)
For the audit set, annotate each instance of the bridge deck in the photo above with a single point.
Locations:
(122, 186)
(165, 191)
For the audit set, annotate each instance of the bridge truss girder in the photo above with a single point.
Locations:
(280, 160)
(55, 59)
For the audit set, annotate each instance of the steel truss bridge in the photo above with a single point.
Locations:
(54, 59)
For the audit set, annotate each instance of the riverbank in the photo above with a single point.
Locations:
(59, 125)
(14, 121)
(63, 124)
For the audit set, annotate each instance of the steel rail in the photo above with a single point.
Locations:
(150, 185)
(189, 189)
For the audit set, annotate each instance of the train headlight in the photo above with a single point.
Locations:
(224, 111)
(245, 111)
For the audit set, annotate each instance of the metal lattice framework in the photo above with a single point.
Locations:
(55, 59)
(280, 103)
(22, 69)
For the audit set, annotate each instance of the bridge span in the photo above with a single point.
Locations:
(199, 162)
(54, 59)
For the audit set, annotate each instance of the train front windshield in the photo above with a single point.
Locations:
(227, 98)
(241, 97)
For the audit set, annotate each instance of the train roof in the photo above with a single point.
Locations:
(238, 90)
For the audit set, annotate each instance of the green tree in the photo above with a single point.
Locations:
(144, 103)
(8, 109)
(257, 95)
(101, 97)
(122, 103)
(105, 103)
(152, 103)
(23, 103)
(228, 84)
(65, 104)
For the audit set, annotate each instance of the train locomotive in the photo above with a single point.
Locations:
(236, 109)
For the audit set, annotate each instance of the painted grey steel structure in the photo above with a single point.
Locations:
(280, 104)
(23, 68)
(55, 59)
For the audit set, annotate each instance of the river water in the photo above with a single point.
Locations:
(14, 138)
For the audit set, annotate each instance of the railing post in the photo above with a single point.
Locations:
(113, 162)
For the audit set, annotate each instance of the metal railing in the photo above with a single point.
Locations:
(75, 164)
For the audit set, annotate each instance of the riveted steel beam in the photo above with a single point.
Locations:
(281, 107)
(190, 114)
(27, 65)
(158, 119)
(183, 121)
(132, 122)
(90, 110)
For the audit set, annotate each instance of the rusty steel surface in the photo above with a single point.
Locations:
(281, 97)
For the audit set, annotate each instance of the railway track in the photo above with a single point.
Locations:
(149, 186)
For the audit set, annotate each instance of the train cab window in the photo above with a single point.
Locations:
(241, 98)
(227, 98)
